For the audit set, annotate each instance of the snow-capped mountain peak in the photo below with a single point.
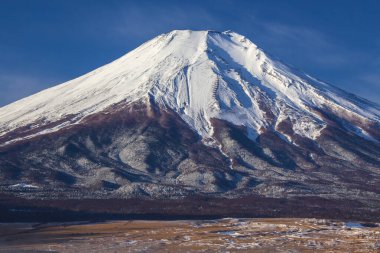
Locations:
(200, 75)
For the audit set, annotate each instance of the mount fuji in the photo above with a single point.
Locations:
(191, 118)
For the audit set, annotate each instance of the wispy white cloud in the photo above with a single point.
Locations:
(145, 21)
(372, 78)
(17, 86)
(314, 45)
(365, 84)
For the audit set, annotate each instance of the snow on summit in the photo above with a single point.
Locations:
(200, 75)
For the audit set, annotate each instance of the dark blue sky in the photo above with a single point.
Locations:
(46, 42)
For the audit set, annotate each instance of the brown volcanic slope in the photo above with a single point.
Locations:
(143, 151)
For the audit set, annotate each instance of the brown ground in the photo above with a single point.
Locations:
(226, 235)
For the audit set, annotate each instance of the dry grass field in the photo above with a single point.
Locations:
(225, 235)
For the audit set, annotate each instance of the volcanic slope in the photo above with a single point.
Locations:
(192, 113)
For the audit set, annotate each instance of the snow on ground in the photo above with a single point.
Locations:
(24, 185)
